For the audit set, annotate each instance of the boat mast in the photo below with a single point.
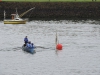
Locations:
(4, 14)
(17, 16)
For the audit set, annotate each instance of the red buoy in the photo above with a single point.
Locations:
(59, 47)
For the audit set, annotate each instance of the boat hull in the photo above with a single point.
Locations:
(14, 22)
(29, 50)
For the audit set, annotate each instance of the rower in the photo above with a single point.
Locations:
(26, 40)
(29, 44)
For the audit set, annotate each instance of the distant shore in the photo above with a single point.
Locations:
(53, 10)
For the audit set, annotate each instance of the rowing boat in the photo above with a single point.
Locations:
(29, 50)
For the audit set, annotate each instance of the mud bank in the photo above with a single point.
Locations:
(53, 10)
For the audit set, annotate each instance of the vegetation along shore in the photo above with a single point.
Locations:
(52, 10)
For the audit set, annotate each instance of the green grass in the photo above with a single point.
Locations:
(51, 0)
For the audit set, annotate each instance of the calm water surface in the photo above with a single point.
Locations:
(80, 54)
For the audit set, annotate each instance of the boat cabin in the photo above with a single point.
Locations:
(13, 16)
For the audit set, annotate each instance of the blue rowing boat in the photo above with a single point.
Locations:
(29, 50)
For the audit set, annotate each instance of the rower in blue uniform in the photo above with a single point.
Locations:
(26, 40)
(29, 44)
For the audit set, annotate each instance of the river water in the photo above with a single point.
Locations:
(80, 54)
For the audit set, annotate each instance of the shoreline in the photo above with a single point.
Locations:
(53, 10)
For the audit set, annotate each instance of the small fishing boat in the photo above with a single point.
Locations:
(16, 19)
(29, 50)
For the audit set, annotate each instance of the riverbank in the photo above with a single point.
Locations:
(53, 10)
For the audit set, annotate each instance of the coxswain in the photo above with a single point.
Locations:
(26, 40)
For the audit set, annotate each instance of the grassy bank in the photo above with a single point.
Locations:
(51, 0)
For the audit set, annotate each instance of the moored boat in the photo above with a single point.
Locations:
(16, 19)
